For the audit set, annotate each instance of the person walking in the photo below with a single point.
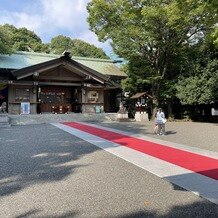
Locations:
(157, 122)
(160, 120)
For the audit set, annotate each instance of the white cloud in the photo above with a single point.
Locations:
(49, 18)
(65, 13)
(30, 22)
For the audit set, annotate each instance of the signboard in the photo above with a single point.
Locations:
(25, 108)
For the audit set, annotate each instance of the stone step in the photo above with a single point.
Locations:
(125, 120)
(54, 118)
(5, 125)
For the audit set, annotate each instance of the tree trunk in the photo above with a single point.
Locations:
(155, 99)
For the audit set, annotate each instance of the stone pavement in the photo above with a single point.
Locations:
(191, 168)
(26, 119)
(47, 172)
(200, 135)
(195, 134)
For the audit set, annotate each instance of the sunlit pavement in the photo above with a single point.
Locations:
(47, 172)
(192, 169)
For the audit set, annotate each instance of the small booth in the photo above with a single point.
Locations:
(143, 109)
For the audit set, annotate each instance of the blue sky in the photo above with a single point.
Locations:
(49, 18)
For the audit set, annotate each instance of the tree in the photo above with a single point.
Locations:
(155, 32)
(5, 41)
(199, 85)
(198, 81)
(84, 49)
(199, 89)
(77, 47)
(60, 43)
(135, 82)
(23, 39)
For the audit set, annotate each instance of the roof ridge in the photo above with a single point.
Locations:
(92, 59)
(57, 56)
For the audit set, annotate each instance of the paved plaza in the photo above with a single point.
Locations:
(48, 171)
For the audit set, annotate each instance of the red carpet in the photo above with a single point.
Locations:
(197, 163)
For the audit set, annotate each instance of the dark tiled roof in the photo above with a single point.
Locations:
(140, 94)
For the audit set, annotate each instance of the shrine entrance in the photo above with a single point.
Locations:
(58, 99)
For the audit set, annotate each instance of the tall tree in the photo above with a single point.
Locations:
(156, 32)
(198, 82)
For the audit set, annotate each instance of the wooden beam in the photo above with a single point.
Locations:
(59, 84)
(74, 79)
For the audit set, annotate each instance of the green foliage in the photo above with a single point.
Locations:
(5, 41)
(200, 88)
(84, 49)
(60, 43)
(77, 47)
(157, 34)
(24, 39)
(43, 47)
(214, 36)
(199, 78)
(136, 80)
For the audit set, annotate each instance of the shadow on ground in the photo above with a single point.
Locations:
(37, 153)
(134, 128)
(33, 213)
(197, 209)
